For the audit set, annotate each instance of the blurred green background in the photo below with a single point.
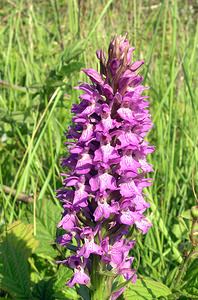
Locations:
(44, 45)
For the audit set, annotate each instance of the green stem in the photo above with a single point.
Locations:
(100, 284)
(183, 268)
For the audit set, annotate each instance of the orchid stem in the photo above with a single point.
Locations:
(183, 268)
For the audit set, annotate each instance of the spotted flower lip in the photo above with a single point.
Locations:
(106, 154)
(102, 182)
(80, 277)
(105, 209)
(103, 191)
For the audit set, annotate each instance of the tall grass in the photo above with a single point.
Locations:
(37, 38)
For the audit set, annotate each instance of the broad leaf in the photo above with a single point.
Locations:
(191, 278)
(146, 289)
(43, 290)
(54, 287)
(180, 231)
(15, 248)
(62, 276)
(47, 216)
(70, 68)
(83, 291)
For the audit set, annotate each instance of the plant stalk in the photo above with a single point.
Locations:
(101, 284)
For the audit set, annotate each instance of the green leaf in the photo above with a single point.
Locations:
(191, 279)
(83, 291)
(73, 51)
(70, 68)
(15, 248)
(52, 288)
(186, 214)
(43, 290)
(47, 217)
(146, 289)
(62, 276)
(180, 231)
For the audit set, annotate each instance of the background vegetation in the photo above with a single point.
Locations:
(44, 44)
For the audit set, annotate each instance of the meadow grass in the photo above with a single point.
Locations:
(37, 39)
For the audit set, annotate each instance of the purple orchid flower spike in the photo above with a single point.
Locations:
(103, 193)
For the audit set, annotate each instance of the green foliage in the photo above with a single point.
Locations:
(19, 275)
(72, 52)
(62, 276)
(146, 289)
(47, 217)
(191, 279)
(44, 44)
(180, 231)
(15, 249)
(53, 288)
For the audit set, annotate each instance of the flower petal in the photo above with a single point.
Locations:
(126, 114)
(93, 75)
(87, 133)
(127, 163)
(129, 139)
(128, 189)
(68, 222)
(130, 217)
(144, 224)
(79, 277)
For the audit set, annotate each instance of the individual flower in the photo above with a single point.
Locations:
(79, 276)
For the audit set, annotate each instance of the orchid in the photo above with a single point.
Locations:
(103, 193)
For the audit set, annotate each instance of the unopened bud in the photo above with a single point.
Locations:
(194, 212)
(194, 233)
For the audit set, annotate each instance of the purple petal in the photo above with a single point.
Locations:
(85, 87)
(103, 182)
(136, 65)
(88, 248)
(145, 166)
(80, 196)
(106, 124)
(127, 163)
(144, 224)
(71, 181)
(84, 164)
(68, 222)
(77, 149)
(74, 261)
(128, 189)
(105, 153)
(64, 239)
(108, 91)
(104, 210)
(129, 138)
(79, 277)
(130, 217)
(118, 293)
(93, 75)
(86, 133)
(139, 203)
(126, 114)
